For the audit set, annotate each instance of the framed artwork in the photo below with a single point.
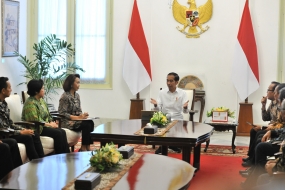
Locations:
(220, 116)
(10, 27)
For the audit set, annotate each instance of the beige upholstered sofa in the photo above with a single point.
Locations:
(15, 106)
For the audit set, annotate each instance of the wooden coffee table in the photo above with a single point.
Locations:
(51, 172)
(58, 171)
(185, 134)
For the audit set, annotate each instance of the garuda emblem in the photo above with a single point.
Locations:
(192, 17)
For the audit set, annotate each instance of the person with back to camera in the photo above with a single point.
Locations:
(70, 107)
(36, 109)
(10, 157)
(172, 101)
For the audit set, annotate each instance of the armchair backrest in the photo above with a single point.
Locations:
(25, 96)
(15, 106)
(190, 95)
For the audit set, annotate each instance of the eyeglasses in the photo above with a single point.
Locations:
(268, 90)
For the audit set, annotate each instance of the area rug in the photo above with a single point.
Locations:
(216, 173)
(218, 150)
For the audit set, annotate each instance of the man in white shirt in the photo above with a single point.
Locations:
(172, 101)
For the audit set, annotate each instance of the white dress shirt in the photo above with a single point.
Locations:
(172, 103)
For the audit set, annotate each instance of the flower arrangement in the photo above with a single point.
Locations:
(230, 113)
(106, 157)
(159, 119)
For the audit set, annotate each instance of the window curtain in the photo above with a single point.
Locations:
(52, 18)
(90, 40)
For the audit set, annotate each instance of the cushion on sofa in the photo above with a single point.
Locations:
(48, 144)
(23, 153)
(72, 136)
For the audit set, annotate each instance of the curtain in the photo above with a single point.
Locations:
(90, 40)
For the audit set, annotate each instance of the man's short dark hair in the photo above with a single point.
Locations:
(35, 86)
(176, 76)
(279, 87)
(275, 84)
(69, 81)
(282, 95)
(3, 83)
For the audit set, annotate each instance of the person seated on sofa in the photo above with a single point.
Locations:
(70, 107)
(275, 176)
(36, 109)
(20, 134)
(264, 149)
(273, 124)
(173, 101)
(10, 157)
(270, 114)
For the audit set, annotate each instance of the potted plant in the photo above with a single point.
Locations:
(50, 63)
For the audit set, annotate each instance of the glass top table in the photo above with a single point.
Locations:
(185, 134)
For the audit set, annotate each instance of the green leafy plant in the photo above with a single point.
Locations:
(106, 157)
(230, 113)
(159, 118)
(49, 63)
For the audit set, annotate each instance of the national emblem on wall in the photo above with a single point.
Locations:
(192, 17)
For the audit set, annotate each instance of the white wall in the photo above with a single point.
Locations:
(9, 66)
(209, 57)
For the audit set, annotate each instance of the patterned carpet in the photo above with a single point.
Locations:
(218, 150)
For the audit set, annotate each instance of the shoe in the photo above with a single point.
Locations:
(177, 150)
(158, 151)
(80, 150)
(246, 174)
(245, 159)
(247, 163)
(244, 171)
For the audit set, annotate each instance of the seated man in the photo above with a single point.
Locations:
(274, 125)
(9, 156)
(172, 101)
(21, 135)
(269, 114)
(265, 149)
(273, 181)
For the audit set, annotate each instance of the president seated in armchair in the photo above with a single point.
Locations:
(172, 101)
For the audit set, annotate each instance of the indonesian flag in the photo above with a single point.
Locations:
(245, 74)
(136, 69)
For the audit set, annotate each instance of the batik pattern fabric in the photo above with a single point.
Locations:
(272, 112)
(36, 110)
(5, 121)
(280, 165)
(69, 105)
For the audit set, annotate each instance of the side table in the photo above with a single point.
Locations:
(223, 126)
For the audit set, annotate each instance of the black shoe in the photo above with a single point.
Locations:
(158, 151)
(245, 159)
(247, 163)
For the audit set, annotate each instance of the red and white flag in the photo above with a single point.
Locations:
(245, 75)
(136, 69)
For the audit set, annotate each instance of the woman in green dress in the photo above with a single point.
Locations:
(35, 109)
